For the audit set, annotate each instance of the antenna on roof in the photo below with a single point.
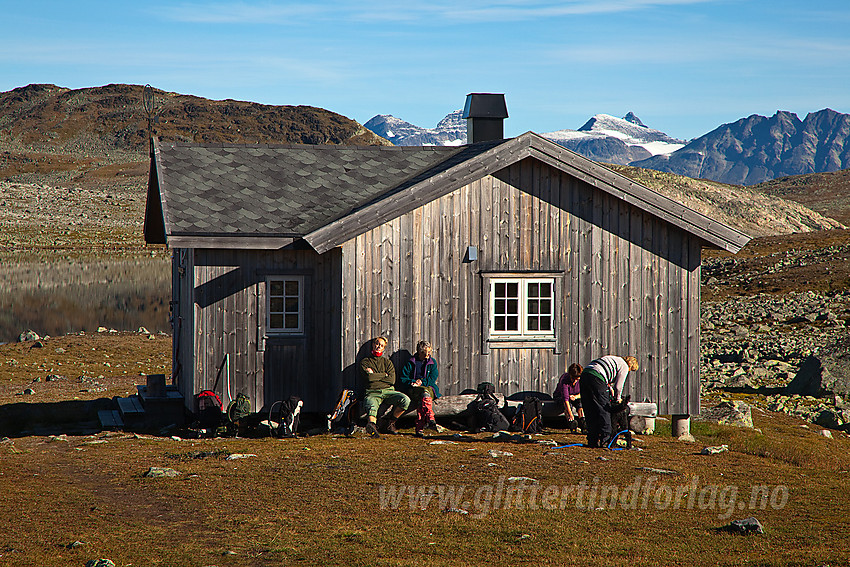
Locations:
(149, 102)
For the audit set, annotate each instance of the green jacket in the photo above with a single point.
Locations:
(382, 376)
(431, 374)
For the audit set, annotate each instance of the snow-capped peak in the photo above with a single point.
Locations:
(629, 130)
(450, 131)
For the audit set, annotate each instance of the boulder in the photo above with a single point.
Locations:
(28, 336)
(820, 375)
(733, 412)
(746, 526)
(160, 472)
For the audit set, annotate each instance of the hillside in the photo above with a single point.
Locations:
(744, 208)
(46, 129)
(826, 193)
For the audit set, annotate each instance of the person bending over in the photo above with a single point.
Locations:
(599, 381)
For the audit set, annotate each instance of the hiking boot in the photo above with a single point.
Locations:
(418, 433)
(372, 430)
(582, 425)
(391, 427)
(432, 425)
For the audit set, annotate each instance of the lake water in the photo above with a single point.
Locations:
(55, 298)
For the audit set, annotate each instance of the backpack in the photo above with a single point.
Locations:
(342, 411)
(484, 414)
(529, 416)
(208, 405)
(288, 416)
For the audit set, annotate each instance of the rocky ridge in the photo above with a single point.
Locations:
(757, 148)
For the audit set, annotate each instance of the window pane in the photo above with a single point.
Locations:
(276, 287)
(533, 306)
(532, 324)
(545, 290)
(499, 290)
(512, 323)
(291, 287)
(500, 306)
(499, 323)
(513, 289)
(545, 323)
(513, 306)
(291, 321)
(533, 290)
(276, 321)
(545, 307)
(292, 305)
(276, 304)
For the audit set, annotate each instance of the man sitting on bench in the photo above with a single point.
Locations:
(379, 375)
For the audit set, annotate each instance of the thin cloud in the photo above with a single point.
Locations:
(412, 11)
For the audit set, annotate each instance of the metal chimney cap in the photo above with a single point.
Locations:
(485, 105)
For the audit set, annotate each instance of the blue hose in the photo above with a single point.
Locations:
(613, 439)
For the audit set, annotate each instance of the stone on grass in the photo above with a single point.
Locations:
(714, 450)
(159, 472)
(236, 456)
(746, 526)
(658, 471)
(99, 563)
(826, 433)
(522, 479)
(494, 453)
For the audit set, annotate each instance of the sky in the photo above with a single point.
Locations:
(682, 66)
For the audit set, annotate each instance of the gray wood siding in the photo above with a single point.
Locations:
(631, 284)
(228, 310)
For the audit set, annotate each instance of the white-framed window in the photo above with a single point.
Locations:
(522, 308)
(285, 305)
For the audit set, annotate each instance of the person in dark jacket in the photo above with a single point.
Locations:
(420, 375)
(378, 374)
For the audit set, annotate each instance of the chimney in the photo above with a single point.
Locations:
(485, 115)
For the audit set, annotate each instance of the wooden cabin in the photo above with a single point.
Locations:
(514, 257)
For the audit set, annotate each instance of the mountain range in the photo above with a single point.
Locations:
(757, 149)
(749, 151)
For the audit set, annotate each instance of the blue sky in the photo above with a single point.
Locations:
(682, 66)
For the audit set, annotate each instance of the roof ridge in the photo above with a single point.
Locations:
(295, 146)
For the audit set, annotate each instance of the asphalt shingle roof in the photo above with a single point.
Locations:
(285, 190)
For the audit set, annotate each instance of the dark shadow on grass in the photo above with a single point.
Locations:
(74, 417)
